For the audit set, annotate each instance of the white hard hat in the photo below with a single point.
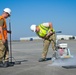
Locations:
(33, 27)
(7, 10)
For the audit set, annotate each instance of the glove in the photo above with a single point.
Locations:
(9, 32)
(49, 34)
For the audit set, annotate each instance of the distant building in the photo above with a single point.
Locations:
(75, 37)
(29, 38)
(64, 37)
(59, 37)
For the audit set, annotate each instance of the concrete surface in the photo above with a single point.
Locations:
(29, 52)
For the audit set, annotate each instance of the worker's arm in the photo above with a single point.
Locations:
(50, 25)
(51, 32)
(1, 30)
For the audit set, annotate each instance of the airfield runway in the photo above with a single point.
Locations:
(29, 52)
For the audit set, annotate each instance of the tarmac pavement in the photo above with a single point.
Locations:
(29, 52)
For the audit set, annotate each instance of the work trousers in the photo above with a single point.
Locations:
(46, 44)
(4, 51)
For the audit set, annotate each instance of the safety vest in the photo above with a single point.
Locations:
(44, 30)
(4, 28)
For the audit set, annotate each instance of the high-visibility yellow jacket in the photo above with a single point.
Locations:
(44, 30)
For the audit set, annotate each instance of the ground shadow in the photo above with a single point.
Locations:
(11, 64)
(69, 67)
(47, 59)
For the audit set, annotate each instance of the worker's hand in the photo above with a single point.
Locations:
(49, 34)
(46, 37)
(3, 40)
(9, 32)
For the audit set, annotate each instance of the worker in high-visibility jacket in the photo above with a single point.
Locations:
(46, 32)
(4, 51)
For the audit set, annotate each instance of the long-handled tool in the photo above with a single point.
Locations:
(11, 63)
(10, 47)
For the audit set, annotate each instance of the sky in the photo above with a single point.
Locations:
(61, 13)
